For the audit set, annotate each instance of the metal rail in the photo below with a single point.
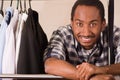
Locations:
(31, 76)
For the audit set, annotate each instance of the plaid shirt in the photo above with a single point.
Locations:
(64, 46)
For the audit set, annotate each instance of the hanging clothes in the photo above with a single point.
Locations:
(22, 20)
(4, 25)
(33, 44)
(9, 50)
(1, 19)
(1, 8)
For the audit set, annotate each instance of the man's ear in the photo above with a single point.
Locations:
(104, 25)
(71, 22)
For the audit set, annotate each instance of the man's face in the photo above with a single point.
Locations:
(87, 25)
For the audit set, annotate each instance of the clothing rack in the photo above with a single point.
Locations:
(31, 76)
(111, 57)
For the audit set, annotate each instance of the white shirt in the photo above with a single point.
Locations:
(4, 25)
(8, 64)
(18, 35)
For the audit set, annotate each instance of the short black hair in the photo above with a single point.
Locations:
(97, 3)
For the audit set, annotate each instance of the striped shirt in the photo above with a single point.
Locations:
(64, 46)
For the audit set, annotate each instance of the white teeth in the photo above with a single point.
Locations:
(86, 39)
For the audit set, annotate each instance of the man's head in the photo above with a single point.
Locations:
(87, 20)
(96, 3)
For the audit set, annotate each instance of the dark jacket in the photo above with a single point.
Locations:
(33, 44)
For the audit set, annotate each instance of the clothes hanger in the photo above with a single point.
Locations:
(25, 11)
(11, 3)
(21, 9)
(1, 9)
(17, 4)
(30, 3)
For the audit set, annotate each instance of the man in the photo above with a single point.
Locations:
(80, 50)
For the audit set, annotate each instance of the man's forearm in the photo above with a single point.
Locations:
(60, 68)
(102, 77)
(113, 69)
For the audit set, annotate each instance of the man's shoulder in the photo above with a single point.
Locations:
(114, 28)
(65, 29)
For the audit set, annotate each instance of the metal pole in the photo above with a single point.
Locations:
(111, 57)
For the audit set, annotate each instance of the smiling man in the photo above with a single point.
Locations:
(79, 51)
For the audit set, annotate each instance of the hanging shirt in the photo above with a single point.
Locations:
(8, 63)
(4, 24)
(33, 43)
(1, 12)
(1, 16)
(18, 26)
(18, 34)
(1, 19)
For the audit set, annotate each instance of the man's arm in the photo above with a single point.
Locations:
(102, 77)
(113, 69)
(86, 70)
(61, 68)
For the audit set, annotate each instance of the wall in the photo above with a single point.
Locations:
(55, 13)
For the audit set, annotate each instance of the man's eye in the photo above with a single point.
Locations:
(93, 24)
(79, 24)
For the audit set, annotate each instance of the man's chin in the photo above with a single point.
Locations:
(87, 45)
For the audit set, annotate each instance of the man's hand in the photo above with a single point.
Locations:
(86, 70)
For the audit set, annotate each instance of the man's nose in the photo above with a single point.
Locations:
(86, 31)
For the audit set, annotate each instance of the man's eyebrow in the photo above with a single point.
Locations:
(78, 20)
(94, 21)
(83, 21)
